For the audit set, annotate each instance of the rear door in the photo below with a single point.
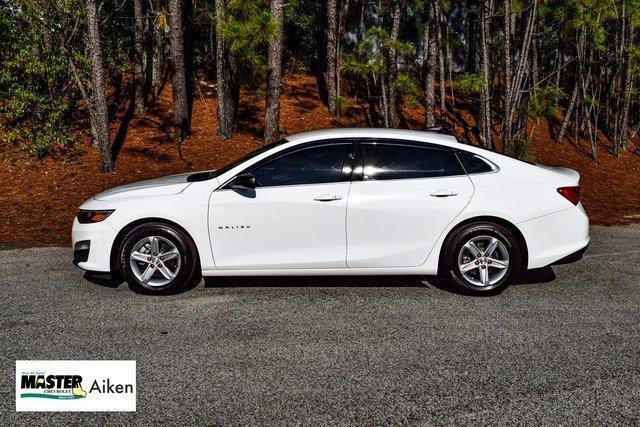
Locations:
(403, 196)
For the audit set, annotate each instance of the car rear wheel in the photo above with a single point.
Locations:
(482, 258)
(157, 258)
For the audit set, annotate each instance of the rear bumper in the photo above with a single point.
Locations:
(551, 238)
(576, 256)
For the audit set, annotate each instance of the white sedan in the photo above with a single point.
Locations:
(339, 202)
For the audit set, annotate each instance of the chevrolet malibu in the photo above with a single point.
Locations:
(339, 202)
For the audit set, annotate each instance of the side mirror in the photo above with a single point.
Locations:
(246, 181)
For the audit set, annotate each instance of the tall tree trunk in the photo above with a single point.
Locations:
(344, 10)
(559, 64)
(180, 96)
(384, 104)
(227, 88)
(470, 37)
(449, 56)
(576, 88)
(443, 105)
(138, 52)
(485, 106)
(429, 49)
(157, 62)
(362, 8)
(99, 126)
(567, 116)
(187, 25)
(392, 66)
(535, 61)
(508, 95)
(331, 36)
(274, 78)
(514, 106)
(627, 94)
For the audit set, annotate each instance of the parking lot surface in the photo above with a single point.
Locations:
(562, 347)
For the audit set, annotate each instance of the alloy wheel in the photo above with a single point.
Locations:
(483, 261)
(155, 261)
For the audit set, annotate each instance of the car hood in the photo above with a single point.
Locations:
(166, 185)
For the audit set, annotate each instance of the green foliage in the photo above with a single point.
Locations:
(39, 97)
(469, 84)
(303, 33)
(247, 30)
(408, 90)
(35, 91)
(543, 103)
(341, 104)
(368, 57)
(38, 92)
(520, 149)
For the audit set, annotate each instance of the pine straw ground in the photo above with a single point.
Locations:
(40, 196)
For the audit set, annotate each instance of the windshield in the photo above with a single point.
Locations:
(244, 158)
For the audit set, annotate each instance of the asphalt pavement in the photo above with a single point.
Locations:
(562, 347)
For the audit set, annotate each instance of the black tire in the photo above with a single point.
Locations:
(450, 256)
(188, 270)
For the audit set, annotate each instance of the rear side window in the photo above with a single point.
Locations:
(314, 165)
(391, 161)
(474, 164)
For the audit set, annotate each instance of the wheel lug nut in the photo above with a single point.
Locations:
(149, 259)
(484, 266)
(155, 253)
(488, 262)
(152, 266)
(477, 262)
(161, 257)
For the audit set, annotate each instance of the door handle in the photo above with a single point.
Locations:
(443, 193)
(327, 198)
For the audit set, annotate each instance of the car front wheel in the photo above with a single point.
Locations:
(157, 258)
(482, 258)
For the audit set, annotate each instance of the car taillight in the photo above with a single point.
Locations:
(572, 194)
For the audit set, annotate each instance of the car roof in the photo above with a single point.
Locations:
(413, 135)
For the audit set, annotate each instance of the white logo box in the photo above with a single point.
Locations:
(76, 385)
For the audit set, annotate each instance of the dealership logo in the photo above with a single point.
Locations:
(52, 386)
(83, 385)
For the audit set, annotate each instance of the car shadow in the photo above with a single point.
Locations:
(530, 277)
(313, 281)
(102, 279)
(537, 276)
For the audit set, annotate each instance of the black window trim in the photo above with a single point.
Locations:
(494, 167)
(357, 159)
(359, 175)
(346, 177)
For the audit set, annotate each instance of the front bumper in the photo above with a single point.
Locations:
(81, 251)
(92, 245)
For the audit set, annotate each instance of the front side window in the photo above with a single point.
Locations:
(314, 165)
(392, 161)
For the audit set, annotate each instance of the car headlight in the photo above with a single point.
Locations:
(88, 217)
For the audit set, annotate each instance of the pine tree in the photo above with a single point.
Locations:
(99, 124)
(274, 78)
(181, 119)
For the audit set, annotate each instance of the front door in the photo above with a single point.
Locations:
(295, 218)
(405, 197)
